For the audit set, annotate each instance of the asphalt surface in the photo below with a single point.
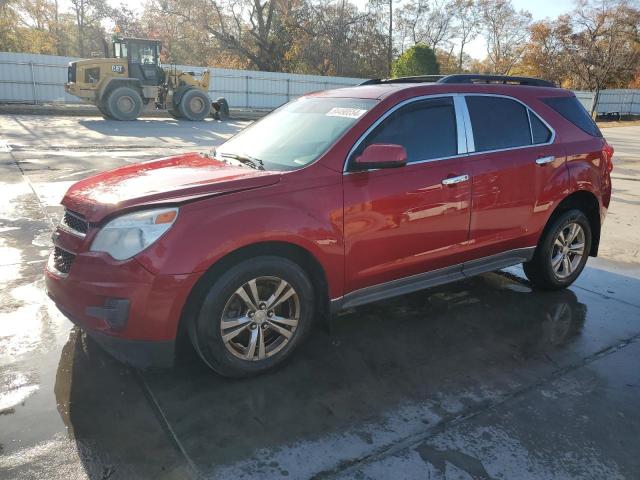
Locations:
(483, 378)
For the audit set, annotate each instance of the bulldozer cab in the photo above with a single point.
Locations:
(143, 58)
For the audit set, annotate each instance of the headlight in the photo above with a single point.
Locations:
(129, 234)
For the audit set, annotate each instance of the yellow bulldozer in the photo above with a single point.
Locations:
(132, 81)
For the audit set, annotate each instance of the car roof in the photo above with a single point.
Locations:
(386, 90)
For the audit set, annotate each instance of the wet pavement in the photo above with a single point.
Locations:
(480, 379)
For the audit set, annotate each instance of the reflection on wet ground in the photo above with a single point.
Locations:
(388, 374)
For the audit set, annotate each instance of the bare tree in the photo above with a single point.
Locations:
(505, 30)
(259, 30)
(385, 9)
(408, 17)
(467, 22)
(80, 8)
(427, 21)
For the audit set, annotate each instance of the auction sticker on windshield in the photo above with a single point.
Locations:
(346, 112)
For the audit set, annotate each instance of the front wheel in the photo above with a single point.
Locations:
(174, 113)
(194, 105)
(562, 252)
(253, 316)
(103, 111)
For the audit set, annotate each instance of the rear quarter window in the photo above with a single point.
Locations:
(539, 131)
(571, 109)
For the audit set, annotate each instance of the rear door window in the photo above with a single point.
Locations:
(571, 109)
(425, 128)
(498, 123)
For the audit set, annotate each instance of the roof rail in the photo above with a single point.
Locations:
(415, 79)
(463, 78)
(504, 79)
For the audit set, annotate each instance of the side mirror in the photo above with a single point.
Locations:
(382, 155)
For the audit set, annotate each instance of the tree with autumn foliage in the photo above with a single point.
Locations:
(594, 47)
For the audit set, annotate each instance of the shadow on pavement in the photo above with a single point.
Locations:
(388, 371)
(403, 365)
(166, 131)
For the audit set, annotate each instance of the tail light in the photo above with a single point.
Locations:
(607, 153)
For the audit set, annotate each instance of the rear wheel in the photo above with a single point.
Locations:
(253, 316)
(123, 103)
(562, 252)
(195, 105)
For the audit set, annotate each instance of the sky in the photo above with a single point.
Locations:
(477, 49)
(539, 9)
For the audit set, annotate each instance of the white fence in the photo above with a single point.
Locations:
(32, 78)
(586, 99)
(620, 102)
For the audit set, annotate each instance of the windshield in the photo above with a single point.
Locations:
(296, 134)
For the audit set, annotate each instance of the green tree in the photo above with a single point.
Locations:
(417, 60)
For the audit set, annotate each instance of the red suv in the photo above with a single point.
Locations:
(334, 200)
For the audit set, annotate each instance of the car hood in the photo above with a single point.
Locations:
(167, 180)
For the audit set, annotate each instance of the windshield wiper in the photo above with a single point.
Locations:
(246, 159)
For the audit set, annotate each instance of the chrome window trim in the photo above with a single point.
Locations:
(471, 147)
(386, 114)
(530, 126)
(466, 146)
(529, 111)
(461, 127)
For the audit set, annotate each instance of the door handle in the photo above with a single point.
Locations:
(545, 160)
(454, 180)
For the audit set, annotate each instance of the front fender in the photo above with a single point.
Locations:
(210, 229)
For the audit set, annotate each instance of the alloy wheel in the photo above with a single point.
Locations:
(568, 250)
(260, 318)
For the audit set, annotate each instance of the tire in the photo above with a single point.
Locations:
(174, 113)
(556, 264)
(220, 110)
(123, 103)
(195, 105)
(246, 321)
(103, 111)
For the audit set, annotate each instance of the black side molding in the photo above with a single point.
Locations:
(433, 278)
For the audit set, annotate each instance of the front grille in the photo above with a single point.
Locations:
(61, 260)
(74, 223)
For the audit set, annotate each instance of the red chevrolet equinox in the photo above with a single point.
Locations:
(337, 199)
